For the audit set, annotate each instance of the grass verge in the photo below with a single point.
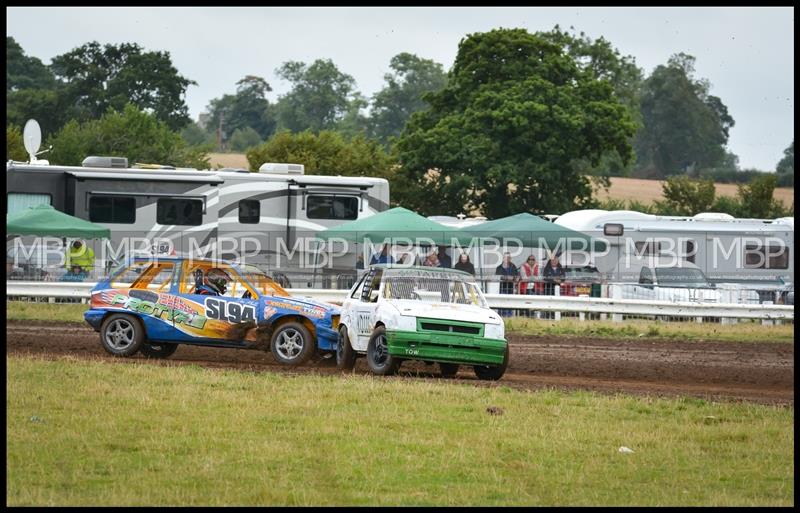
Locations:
(743, 331)
(99, 433)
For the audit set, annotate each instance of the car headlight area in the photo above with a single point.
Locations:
(496, 331)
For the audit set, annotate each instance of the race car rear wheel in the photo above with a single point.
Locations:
(158, 349)
(345, 356)
(292, 344)
(492, 372)
(448, 370)
(378, 358)
(122, 334)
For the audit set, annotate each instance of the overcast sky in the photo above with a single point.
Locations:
(746, 53)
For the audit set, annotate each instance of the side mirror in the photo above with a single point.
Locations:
(373, 296)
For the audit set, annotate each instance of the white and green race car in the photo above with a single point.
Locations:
(431, 314)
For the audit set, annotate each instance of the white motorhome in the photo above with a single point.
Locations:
(753, 253)
(264, 214)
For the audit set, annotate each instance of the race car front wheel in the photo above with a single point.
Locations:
(492, 372)
(378, 358)
(448, 370)
(158, 349)
(292, 344)
(121, 334)
(345, 356)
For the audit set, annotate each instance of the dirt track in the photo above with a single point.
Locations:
(751, 371)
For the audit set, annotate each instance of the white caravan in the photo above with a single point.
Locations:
(751, 253)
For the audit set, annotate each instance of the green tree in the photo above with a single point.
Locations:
(45, 106)
(505, 133)
(327, 152)
(196, 136)
(96, 77)
(785, 168)
(25, 72)
(403, 94)
(248, 108)
(604, 62)
(756, 197)
(244, 138)
(32, 91)
(687, 197)
(320, 98)
(15, 146)
(684, 128)
(132, 133)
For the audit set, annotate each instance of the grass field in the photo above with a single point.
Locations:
(95, 433)
(744, 331)
(644, 191)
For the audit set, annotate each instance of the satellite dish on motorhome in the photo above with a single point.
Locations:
(32, 136)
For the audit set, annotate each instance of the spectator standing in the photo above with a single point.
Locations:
(80, 255)
(509, 274)
(553, 274)
(529, 274)
(431, 261)
(383, 258)
(464, 264)
(444, 259)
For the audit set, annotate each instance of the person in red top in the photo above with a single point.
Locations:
(528, 273)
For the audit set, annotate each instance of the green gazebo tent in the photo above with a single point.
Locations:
(533, 231)
(44, 220)
(393, 224)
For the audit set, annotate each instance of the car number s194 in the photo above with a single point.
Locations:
(229, 311)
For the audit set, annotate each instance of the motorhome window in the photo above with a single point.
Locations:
(764, 256)
(179, 211)
(249, 211)
(646, 248)
(689, 251)
(646, 277)
(17, 202)
(332, 207)
(112, 209)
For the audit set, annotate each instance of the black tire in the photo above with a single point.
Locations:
(448, 370)
(492, 372)
(292, 344)
(345, 356)
(378, 358)
(158, 349)
(122, 334)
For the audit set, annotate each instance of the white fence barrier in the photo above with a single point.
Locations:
(558, 304)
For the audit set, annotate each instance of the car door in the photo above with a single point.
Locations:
(365, 308)
(226, 318)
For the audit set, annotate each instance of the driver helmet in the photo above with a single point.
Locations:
(217, 279)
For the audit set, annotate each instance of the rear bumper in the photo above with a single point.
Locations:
(446, 347)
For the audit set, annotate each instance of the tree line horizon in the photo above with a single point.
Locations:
(521, 122)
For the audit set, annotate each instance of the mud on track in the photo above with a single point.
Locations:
(750, 371)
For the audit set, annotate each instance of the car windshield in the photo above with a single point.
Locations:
(262, 282)
(681, 277)
(443, 289)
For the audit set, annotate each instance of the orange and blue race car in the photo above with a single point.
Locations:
(150, 305)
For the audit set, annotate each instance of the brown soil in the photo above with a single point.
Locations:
(750, 371)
